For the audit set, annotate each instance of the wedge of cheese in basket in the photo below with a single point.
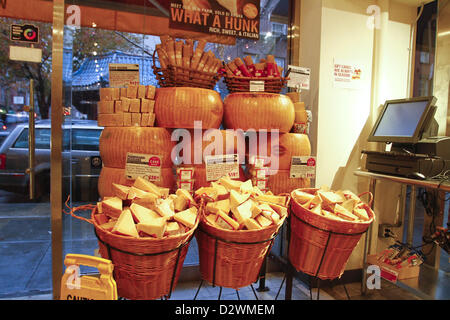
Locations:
(337, 205)
(146, 210)
(238, 205)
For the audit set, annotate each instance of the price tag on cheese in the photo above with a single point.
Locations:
(222, 165)
(256, 86)
(303, 167)
(146, 166)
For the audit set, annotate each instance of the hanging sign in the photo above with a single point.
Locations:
(121, 75)
(222, 165)
(299, 77)
(143, 165)
(222, 17)
(24, 33)
(303, 167)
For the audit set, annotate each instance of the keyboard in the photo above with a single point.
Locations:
(397, 154)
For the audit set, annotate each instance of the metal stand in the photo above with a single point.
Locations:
(220, 291)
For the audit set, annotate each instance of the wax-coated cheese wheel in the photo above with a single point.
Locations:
(116, 142)
(180, 107)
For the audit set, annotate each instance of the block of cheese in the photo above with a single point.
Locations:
(183, 200)
(118, 106)
(230, 184)
(246, 187)
(141, 91)
(294, 96)
(236, 198)
(155, 228)
(263, 221)
(222, 192)
(165, 209)
(146, 185)
(112, 207)
(109, 94)
(122, 92)
(173, 228)
(125, 225)
(144, 119)
(150, 92)
(109, 226)
(110, 120)
(243, 211)
(145, 105)
(136, 119)
(142, 214)
(127, 119)
(187, 217)
(105, 106)
(132, 91)
(221, 205)
(120, 191)
(151, 120)
(125, 104)
(226, 222)
(135, 105)
(252, 224)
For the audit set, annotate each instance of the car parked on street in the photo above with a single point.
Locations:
(81, 159)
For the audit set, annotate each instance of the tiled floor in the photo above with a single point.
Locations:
(300, 291)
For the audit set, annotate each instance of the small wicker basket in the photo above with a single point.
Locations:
(319, 246)
(144, 268)
(233, 259)
(242, 84)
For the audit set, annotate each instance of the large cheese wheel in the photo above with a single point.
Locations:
(282, 183)
(287, 146)
(108, 176)
(207, 142)
(115, 142)
(200, 177)
(259, 111)
(179, 107)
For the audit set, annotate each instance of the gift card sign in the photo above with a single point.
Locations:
(222, 165)
(24, 33)
(299, 77)
(303, 167)
(143, 165)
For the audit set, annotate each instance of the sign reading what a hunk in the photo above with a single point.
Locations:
(229, 18)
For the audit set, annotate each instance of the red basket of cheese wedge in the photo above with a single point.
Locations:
(145, 232)
(238, 224)
(325, 227)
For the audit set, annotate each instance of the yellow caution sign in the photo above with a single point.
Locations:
(76, 287)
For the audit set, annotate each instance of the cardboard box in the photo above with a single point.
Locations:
(391, 272)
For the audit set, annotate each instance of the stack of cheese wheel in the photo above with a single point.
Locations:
(207, 142)
(288, 146)
(301, 116)
(258, 111)
(116, 142)
(180, 107)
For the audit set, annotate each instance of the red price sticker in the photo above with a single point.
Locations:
(154, 162)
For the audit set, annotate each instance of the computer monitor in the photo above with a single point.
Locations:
(405, 121)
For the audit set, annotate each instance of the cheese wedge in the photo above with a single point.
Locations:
(263, 221)
(230, 184)
(255, 209)
(361, 213)
(165, 209)
(211, 219)
(316, 209)
(183, 200)
(208, 192)
(226, 222)
(273, 216)
(187, 217)
(173, 228)
(330, 215)
(108, 226)
(221, 205)
(134, 192)
(236, 198)
(246, 187)
(155, 228)
(281, 200)
(328, 197)
(112, 207)
(349, 204)
(243, 211)
(164, 192)
(282, 211)
(350, 195)
(252, 224)
(146, 185)
(257, 191)
(101, 218)
(99, 207)
(344, 213)
(145, 199)
(120, 191)
(142, 214)
(125, 225)
(302, 197)
(222, 192)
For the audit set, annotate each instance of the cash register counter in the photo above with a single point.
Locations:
(432, 283)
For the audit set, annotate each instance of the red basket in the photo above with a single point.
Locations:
(319, 246)
(144, 268)
(233, 259)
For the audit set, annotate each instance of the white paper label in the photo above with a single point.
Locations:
(186, 174)
(121, 75)
(143, 165)
(299, 78)
(261, 184)
(222, 165)
(303, 167)
(25, 54)
(256, 86)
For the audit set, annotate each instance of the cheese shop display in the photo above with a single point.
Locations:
(109, 175)
(116, 142)
(185, 63)
(180, 107)
(326, 226)
(258, 111)
(126, 107)
(236, 231)
(145, 231)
